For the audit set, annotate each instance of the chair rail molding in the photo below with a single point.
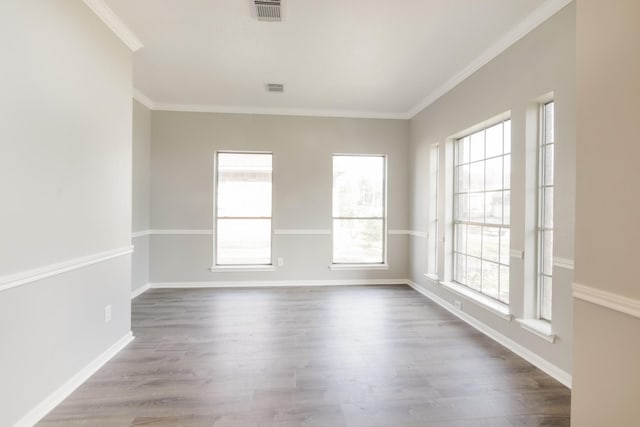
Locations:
(19, 279)
(610, 300)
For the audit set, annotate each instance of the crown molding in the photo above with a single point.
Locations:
(279, 111)
(531, 22)
(113, 21)
(143, 99)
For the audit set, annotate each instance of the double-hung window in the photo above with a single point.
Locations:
(434, 171)
(545, 211)
(359, 209)
(481, 211)
(242, 232)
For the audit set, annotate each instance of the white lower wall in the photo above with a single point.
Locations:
(52, 328)
(187, 259)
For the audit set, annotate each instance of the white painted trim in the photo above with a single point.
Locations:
(143, 99)
(141, 290)
(228, 109)
(19, 279)
(565, 263)
(276, 283)
(516, 253)
(240, 268)
(499, 309)
(559, 374)
(540, 328)
(142, 233)
(354, 267)
(113, 21)
(422, 234)
(302, 232)
(55, 398)
(399, 232)
(190, 232)
(433, 277)
(537, 17)
(616, 302)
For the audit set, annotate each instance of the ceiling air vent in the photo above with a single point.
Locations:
(275, 87)
(268, 10)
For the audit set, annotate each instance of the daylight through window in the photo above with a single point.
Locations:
(545, 211)
(481, 212)
(358, 209)
(243, 209)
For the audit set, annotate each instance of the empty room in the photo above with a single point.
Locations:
(279, 213)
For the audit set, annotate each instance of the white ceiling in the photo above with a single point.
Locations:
(373, 58)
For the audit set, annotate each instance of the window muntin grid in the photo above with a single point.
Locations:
(359, 209)
(481, 211)
(546, 153)
(434, 163)
(243, 208)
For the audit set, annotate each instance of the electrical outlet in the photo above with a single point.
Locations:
(457, 304)
(280, 261)
(107, 313)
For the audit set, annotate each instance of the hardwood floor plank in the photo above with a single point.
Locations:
(367, 356)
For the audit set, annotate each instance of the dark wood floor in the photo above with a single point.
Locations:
(333, 356)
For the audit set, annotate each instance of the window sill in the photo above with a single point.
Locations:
(540, 328)
(358, 266)
(489, 304)
(240, 268)
(433, 277)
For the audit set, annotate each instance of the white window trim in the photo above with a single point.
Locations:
(239, 267)
(538, 327)
(385, 233)
(434, 198)
(493, 306)
(541, 163)
(490, 303)
(346, 266)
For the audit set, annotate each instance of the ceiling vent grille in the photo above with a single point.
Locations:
(268, 10)
(275, 87)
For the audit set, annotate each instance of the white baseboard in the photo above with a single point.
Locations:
(277, 283)
(141, 290)
(55, 398)
(559, 374)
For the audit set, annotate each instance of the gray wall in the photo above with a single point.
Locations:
(542, 62)
(141, 195)
(182, 153)
(607, 341)
(65, 163)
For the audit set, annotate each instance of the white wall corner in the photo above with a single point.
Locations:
(143, 99)
(113, 21)
(141, 290)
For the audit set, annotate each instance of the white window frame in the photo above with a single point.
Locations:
(541, 218)
(496, 305)
(363, 265)
(434, 206)
(237, 267)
